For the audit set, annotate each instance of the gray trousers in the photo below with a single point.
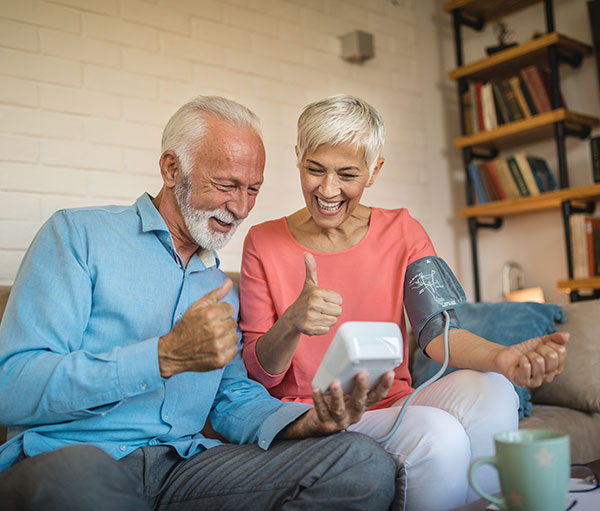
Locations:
(343, 472)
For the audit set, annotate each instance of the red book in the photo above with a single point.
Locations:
(526, 75)
(488, 182)
(591, 224)
(539, 88)
(495, 179)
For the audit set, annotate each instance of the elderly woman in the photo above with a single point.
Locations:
(338, 260)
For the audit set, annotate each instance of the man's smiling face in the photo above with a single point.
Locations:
(220, 189)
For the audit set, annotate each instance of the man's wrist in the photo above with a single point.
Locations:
(166, 365)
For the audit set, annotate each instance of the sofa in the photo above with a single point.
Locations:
(571, 403)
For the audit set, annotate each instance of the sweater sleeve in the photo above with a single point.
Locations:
(257, 311)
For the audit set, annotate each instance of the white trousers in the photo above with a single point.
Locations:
(447, 426)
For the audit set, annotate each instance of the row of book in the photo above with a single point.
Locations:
(511, 177)
(486, 105)
(585, 245)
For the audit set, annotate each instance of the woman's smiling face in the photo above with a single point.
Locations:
(333, 179)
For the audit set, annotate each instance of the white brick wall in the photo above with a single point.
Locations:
(86, 87)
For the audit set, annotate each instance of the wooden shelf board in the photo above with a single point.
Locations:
(487, 9)
(525, 131)
(543, 202)
(578, 284)
(511, 60)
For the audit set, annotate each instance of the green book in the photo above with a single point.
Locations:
(516, 174)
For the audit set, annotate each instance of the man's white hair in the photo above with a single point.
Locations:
(184, 132)
(341, 119)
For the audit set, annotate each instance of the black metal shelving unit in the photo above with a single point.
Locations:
(474, 15)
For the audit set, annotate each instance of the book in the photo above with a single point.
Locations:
(538, 88)
(488, 182)
(480, 123)
(527, 96)
(516, 87)
(596, 236)
(472, 97)
(501, 106)
(579, 252)
(490, 121)
(466, 112)
(527, 78)
(477, 183)
(544, 178)
(527, 174)
(591, 224)
(595, 148)
(517, 176)
(514, 110)
(496, 179)
(508, 183)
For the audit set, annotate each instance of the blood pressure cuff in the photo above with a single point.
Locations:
(430, 288)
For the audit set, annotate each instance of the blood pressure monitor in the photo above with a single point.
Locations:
(372, 346)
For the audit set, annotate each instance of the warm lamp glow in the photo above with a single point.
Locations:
(531, 294)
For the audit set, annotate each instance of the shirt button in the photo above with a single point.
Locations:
(152, 442)
(263, 443)
(143, 386)
(122, 447)
(166, 416)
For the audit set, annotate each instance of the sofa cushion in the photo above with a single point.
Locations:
(505, 323)
(579, 384)
(4, 292)
(581, 427)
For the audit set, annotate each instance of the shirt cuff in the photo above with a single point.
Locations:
(137, 367)
(257, 371)
(277, 421)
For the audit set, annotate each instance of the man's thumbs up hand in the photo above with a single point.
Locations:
(315, 310)
(203, 339)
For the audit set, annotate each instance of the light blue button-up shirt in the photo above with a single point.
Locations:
(79, 344)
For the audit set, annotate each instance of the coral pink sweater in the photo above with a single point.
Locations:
(369, 276)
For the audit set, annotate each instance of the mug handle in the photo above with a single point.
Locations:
(500, 502)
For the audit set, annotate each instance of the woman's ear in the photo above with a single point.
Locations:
(378, 165)
(169, 168)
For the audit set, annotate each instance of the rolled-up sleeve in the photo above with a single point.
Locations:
(244, 412)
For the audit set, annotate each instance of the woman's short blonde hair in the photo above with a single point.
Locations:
(341, 119)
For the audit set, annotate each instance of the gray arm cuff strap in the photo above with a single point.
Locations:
(430, 288)
(435, 327)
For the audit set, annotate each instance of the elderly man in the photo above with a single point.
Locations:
(119, 353)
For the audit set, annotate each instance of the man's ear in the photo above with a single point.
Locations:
(169, 168)
(380, 162)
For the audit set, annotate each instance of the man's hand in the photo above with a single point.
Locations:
(534, 362)
(203, 339)
(315, 310)
(335, 412)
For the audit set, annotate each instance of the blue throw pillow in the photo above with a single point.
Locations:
(505, 323)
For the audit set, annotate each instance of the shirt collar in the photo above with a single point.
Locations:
(149, 215)
(152, 220)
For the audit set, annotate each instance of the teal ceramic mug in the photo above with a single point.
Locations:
(533, 466)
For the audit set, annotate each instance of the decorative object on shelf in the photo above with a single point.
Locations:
(502, 33)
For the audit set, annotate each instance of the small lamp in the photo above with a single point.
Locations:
(513, 282)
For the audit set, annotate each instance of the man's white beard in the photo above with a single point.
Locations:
(196, 220)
